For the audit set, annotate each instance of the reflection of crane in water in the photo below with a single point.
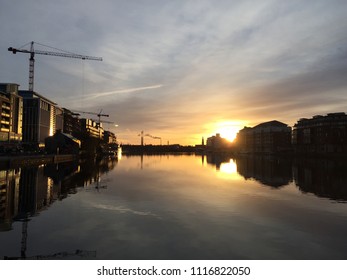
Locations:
(77, 254)
(99, 185)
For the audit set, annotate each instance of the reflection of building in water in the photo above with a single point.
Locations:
(216, 159)
(28, 191)
(9, 191)
(36, 191)
(268, 137)
(24, 192)
(61, 175)
(270, 171)
(321, 134)
(322, 177)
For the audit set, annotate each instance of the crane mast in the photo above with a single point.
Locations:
(32, 53)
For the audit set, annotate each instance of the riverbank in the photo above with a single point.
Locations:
(27, 160)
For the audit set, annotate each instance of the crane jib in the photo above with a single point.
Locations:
(51, 53)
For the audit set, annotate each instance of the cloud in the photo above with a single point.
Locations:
(244, 60)
(129, 90)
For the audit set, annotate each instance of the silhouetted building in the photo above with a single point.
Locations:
(217, 142)
(110, 137)
(11, 113)
(245, 140)
(41, 117)
(62, 143)
(321, 134)
(267, 137)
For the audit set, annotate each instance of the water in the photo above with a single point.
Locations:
(176, 207)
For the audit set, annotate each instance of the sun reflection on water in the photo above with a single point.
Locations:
(228, 170)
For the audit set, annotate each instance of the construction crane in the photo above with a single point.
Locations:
(93, 113)
(32, 53)
(102, 121)
(148, 135)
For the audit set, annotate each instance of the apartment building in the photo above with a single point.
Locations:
(267, 137)
(41, 117)
(321, 134)
(11, 113)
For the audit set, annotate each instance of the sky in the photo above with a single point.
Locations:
(182, 70)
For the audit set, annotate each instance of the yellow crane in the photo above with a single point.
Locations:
(32, 53)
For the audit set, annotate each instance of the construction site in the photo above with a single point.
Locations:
(31, 123)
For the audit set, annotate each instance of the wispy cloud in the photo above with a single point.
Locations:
(128, 90)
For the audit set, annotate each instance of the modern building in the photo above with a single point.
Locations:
(5, 117)
(72, 123)
(321, 134)
(41, 117)
(91, 128)
(267, 137)
(12, 105)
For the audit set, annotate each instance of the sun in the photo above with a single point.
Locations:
(228, 133)
(228, 130)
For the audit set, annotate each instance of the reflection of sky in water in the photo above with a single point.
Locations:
(179, 207)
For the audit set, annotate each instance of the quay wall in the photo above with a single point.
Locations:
(18, 161)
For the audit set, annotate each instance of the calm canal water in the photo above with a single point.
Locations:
(176, 207)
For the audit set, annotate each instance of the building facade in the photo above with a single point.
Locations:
(41, 117)
(90, 128)
(11, 113)
(267, 137)
(72, 123)
(5, 117)
(321, 134)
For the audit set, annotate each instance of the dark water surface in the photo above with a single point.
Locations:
(176, 207)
